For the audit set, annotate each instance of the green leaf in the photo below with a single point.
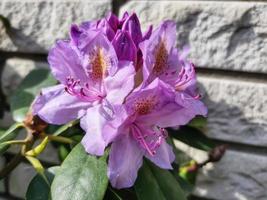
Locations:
(7, 135)
(81, 176)
(6, 22)
(22, 98)
(112, 195)
(38, 188)
(193, 137)
(158, 184)
(63, 152)
(186, 187)
(198, 122)
(146, 186)
(120, 194)
(167, 183)
(180, 157)
(65, 127)
(2, 131)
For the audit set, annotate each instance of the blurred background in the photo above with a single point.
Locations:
(228, 44)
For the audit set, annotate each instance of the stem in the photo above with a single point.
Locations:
(15, 142)
(65, 127)
(11, 165)
(28, 142)
(38, 167)
(200, 165)
(60, 139)
(38, 149)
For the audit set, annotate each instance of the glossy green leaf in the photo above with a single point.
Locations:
(186, 187)
(112, 195)
(120, 194)
(146, 186)
(159, 184)
(2, 131)
(198, 122)
(24, 95)
(7, 135)
(81, 176)
(167, 183)
(38, 188)
(63, 152)
(180, 157)
(193, 137)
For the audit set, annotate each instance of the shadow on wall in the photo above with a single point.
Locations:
(15, 37)
(236, 110)
(15, 70)
(242, 172)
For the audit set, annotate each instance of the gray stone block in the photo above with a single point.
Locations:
(35, 25)
(15, 70)
(7, 120)
(237, 110)
(20, 179)
(238, 176)
(223, 35)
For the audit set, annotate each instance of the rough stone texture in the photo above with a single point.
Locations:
(35, 25)
(20, 179)
(237, 110)
(238, 176)
(7, 120)
(15, 70)
(223, 35)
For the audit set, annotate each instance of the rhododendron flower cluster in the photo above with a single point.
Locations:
(126, 87)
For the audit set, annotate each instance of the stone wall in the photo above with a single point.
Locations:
(228, 41)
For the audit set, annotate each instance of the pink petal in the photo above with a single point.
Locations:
(64, 62)
(164, 156)
(121, 84)
(125, 159)
(93, 123)
(56, 106)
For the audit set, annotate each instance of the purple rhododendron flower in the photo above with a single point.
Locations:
(124, 34)
(126, 87)
(162, 60)
(90, 75)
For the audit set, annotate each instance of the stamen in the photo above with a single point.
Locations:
(150, 141)
(83, 92)
(198, 96)
(184, 77)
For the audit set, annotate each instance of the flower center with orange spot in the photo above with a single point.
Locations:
(144, 106)
(98, 64)
(161, 58)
